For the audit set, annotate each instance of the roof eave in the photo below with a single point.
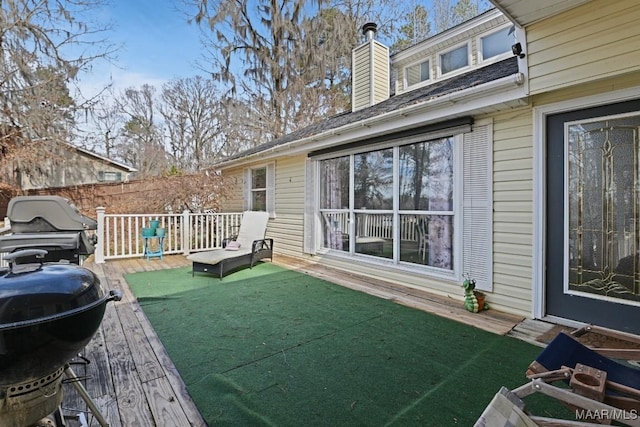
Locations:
(463, 102)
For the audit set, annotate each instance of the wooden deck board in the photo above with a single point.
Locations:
(132, 379)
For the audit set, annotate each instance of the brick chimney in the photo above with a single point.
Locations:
(370, 74)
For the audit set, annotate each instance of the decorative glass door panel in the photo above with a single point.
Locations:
(602, 208)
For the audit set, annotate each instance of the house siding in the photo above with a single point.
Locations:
(70, 168)
(513, 207)
(233, 179)
(588, 43)
(286, 227)
(362, 77)
(372, 57)
(288, 224)
(381, 74)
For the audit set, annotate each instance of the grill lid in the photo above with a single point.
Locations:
(34, 214)
(39, 292)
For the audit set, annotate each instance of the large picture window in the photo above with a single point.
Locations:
(394, 203)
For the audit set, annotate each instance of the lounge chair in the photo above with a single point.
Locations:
(247, 248)
(598, 389)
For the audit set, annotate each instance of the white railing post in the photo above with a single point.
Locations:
(185, 230)
(99, 252)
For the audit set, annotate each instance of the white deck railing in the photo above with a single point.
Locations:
(120, 235)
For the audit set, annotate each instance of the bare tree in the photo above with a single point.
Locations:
(141, 142)
(43, 45)
(191, 110)
(107, 122)
(259, 39)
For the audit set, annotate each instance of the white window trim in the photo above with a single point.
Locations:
(405, 83)
(270, 189)
(480, 57)
(459, 70)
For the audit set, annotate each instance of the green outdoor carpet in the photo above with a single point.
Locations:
(269, 346)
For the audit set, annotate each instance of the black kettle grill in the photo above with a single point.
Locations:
(50, 307)
(48, 313)
(52, 223)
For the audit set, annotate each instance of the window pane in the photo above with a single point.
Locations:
(374, 180)
(426, 176)
(417, 73)
(334, 183)
(427, 240)
(259, 178)
(496, 43)
(259, 202)
(454, 59)
(374, 234)
(336, 230)
(603, 207)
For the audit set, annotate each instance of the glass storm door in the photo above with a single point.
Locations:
(593, 216)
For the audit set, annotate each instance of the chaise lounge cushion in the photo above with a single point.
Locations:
(217, 255)
(248, 247)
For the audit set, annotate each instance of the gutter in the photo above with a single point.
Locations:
(407, 117)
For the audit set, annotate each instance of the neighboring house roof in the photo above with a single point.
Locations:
(489, 73)
(118, 165)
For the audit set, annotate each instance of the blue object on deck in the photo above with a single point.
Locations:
(153, 246)
(567, 351)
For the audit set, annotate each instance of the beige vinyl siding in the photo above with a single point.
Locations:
(381, 73)
(513, 212)
(602, 86)
(372, 57)
(362, 77)
(594, 41)
(286, 228)
(233, 179)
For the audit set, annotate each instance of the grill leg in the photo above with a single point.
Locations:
(85, 396)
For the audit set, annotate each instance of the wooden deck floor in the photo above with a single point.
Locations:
(133, 381)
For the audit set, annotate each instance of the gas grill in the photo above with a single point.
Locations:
(51, 223)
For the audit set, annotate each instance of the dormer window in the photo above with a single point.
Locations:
(495, 45)
(417, 73)
(454, 59)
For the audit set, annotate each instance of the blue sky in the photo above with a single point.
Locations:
(157, 44)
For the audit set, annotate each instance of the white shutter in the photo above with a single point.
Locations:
(246, 190)
(309, 224)
(271, 190)
(477, 257)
